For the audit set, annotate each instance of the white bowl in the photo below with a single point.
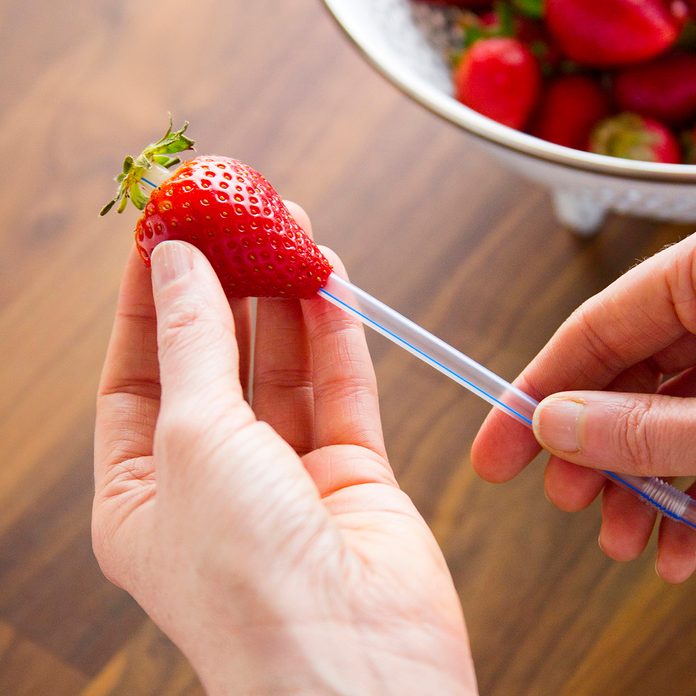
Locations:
(407, 43)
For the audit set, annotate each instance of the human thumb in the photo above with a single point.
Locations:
(195, 331)
(208, 435)
(646, 435)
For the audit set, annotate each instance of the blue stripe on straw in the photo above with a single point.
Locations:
(429, 357)
(610, 474)
(648, 498)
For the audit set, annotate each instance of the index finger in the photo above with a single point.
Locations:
(646, 310)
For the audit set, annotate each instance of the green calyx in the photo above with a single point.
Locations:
(625, 136)
(474, 30)
(531, 8)
(135, 169)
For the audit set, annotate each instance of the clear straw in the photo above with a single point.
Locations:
(501, 394)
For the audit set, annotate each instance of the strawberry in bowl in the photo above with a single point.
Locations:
(532, 86)
(499, 77)
(556, 69)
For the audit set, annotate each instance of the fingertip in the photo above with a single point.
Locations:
(502, 448)
(626, 524)
(570, 487)
(334, 259)
(622, 549)
(676, 552)
(672, 573)
(300, 215)
(484, 465)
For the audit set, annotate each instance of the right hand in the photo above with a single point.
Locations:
(617, 383)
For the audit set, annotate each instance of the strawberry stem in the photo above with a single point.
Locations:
(506, 20)
(134, 169)
(531, 8)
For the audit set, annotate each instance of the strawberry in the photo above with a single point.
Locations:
(569, 108)
(231, 213)
(635, 137)
(664, 88)
(499, 77)
(615, 32)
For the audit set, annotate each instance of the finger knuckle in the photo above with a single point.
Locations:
(333, 329)
(284, 379)
(196, 431)
(181, 425)
(635, 440)
(186, 324)
(597, 346)
(341, 388)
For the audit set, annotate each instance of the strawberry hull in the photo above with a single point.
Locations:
(235, 217)
(635, 137)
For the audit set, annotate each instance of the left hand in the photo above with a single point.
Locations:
(272, 545)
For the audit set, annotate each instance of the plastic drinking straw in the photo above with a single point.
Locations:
(481, 381)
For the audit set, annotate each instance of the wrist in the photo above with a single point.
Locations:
(326, 658)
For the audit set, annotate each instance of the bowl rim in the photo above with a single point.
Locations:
(453, 111)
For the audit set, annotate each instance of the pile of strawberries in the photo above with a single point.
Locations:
(616, 77)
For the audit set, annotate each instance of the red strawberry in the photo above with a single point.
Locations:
(569, 108)
(635, 137)
(232, 214)
(664, 88)
(615, 32)
(499, 78)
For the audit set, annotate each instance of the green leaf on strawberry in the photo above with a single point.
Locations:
(134, 169)
(531, 8)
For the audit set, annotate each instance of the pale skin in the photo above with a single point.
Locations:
(271, 542)
(625, 366)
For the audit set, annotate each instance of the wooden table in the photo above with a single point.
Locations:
(422, 218)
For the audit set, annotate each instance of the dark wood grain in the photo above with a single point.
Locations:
(423, 219)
